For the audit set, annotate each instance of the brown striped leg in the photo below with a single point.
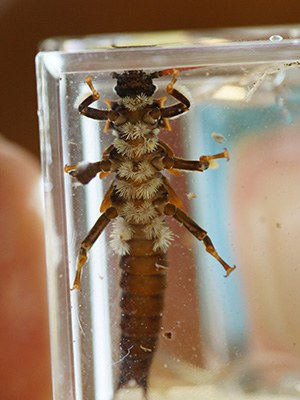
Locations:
(198, 232)
(168, 162)
(90, 112)
(201, 165)
(175, 93)
(179, 108)
(90, 239)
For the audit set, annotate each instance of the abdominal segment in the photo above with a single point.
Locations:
(143, 282)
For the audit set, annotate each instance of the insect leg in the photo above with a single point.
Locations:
(178, 108)
(168, 162)
(90, 239)
(90, 112)
(224, 154)
(198, 232)
(84, 172)
(201, 165)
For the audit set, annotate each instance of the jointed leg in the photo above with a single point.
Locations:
(224, 154)
(168, 162)
(201, 165)
(84, 172)
(90, 239)
(179, 108)
(198, 232)
(90, 112)
(95, 93)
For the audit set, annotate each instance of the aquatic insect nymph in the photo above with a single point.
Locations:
(137, 203)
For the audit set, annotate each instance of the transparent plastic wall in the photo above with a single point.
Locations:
(234, 338)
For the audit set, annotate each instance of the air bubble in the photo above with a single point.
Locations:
(275, 38)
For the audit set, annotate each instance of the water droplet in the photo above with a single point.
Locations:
(275, 38)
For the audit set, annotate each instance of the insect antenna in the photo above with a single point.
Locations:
(171, 71)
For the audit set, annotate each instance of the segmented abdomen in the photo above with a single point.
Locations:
(143, 283)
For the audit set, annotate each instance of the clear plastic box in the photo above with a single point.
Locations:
(237, 337)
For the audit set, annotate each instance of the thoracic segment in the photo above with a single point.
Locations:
(136, 171)
(136, 102)
(132, 131)
(145, 190)
(132, 150)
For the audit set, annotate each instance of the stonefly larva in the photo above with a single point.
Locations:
(137, 203)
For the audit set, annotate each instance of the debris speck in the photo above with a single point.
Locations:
(218, 137)
(146, 349)
(275, 38)
(191, 195)
(168, 335)
(159, 266)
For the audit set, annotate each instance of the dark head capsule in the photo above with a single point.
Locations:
(134, 83)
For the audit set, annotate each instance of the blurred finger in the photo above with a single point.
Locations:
(24, 370)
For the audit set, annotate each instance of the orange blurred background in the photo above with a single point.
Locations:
(25, 23)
